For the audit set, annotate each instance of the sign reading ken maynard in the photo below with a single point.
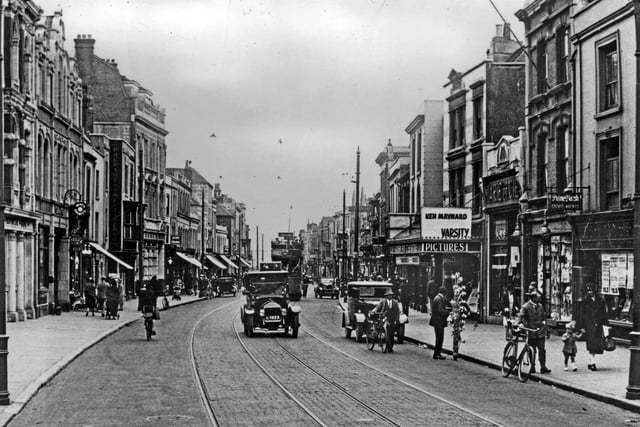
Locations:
(446, 223)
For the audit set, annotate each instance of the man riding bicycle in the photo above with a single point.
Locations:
(147, 297)
(389, 307)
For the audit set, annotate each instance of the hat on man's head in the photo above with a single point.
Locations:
(589, 287)
(532, 290)
(443, 290)
(571, 326)
(389, 292)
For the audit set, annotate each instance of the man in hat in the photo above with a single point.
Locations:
(439, 315)
(390, 308)
(532, 316)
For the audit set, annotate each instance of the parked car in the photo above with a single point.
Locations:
(267, 308)
(362, 297)
(226, 285)
(326, 287)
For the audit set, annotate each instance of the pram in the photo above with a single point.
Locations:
(112, 303)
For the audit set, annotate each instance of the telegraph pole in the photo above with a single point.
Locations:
(4, 339)
(140, 220)
(344, 236)
(262, 258)
(356, 267)
(202, 246)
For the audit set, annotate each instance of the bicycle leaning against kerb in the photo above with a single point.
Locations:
(524, 360)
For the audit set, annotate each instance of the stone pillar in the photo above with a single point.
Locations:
(64, 264)
(12, 315)
(20, 291)
(29, 276)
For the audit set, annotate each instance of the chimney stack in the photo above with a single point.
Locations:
(507, 31)
(499, 30)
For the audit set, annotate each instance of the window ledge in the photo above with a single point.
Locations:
(607, 113)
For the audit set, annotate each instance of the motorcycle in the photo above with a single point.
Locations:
(148, 314)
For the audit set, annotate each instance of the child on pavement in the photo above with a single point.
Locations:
(569, 348)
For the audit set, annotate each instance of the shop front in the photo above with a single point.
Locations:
(604, 257)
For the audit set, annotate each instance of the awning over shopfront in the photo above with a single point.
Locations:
(110, 255)
(217, 263)
(189, 259)
(242, 260)
(228, 261)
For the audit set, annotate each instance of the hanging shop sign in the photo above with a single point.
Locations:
(565, 202)
(446, 223)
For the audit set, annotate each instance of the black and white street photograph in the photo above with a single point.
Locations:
(319, 213)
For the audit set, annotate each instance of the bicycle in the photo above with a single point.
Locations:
(147, 313)
(377, 332)
(510, 356)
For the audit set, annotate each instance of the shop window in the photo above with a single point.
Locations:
(616, 284)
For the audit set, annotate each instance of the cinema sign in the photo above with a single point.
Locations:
(446, 223)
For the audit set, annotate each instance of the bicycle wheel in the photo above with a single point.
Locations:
(371, 338)
(382, 340)
(508, 358)
(526, 364)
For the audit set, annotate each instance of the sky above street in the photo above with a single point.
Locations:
(290, 88)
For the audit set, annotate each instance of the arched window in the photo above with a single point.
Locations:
(503, 154)
(46, 175)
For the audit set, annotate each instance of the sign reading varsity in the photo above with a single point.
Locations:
(446, 223)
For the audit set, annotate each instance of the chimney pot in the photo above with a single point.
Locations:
(507, 31)
(499, 30)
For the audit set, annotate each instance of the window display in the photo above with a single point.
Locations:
(616, 284)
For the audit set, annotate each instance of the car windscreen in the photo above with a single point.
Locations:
(367, 292)
(264, 284)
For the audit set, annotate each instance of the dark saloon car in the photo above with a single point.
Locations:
(268, 308)
(326, 288)
(362, 296)
(226, 285)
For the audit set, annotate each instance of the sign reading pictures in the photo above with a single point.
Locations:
(446, 223)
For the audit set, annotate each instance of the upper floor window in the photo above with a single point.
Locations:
(562, 55)
(563, 173)
(541, 67)
(456, 188)
(541, 169)
(503, 154)
(419, 153)
(477, 118)
(608, 74)
(456, 127)
(610, 173)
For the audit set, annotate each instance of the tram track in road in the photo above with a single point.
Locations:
(393, 377)
(202, 389)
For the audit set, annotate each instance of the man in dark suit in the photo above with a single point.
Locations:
(439, 314)
(391, 309)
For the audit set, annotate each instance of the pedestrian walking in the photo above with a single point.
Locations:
(90, 297)
(102, 294)
(593, 318)
(439, 315)
(569, 348)
(120, 294)
(532, 316)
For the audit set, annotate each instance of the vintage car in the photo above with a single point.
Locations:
(326, 287)
(362, 297)
(267, 308)
(226, 285)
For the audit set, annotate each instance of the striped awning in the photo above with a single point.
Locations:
(217, 263)
(228, 261)
(189, 259)
(110, 255)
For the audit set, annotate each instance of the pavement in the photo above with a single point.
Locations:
(40, 348)
(484, 344)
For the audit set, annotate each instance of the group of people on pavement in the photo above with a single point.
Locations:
(592, 319)
(107, 297)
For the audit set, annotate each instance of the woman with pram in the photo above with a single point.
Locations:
(113, 298)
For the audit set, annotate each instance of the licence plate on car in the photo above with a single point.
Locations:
(272, 318)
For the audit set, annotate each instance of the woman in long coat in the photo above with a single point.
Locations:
(594, 316)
